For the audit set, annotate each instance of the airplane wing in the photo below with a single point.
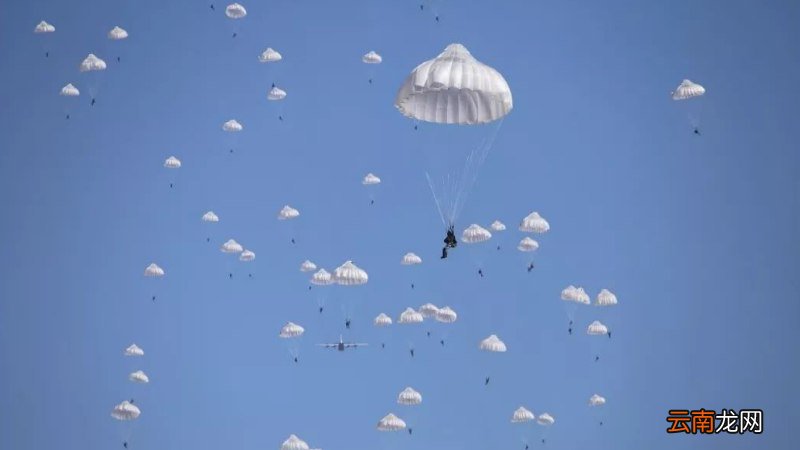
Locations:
(328, 345)
(355, 344)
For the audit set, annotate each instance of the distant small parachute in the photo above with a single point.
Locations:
(446, 315)
(372, 58)
(153, 271)
(410, 316)
(247, 256)
(70, 91)
(534, 223)
(575, 294)
(117, 34)
(307, 266)
(382, 320)
(125, 411)
(288, 213)
(391, 423)
(231, 246)
(235, 11)
(269, 55)
(492, 344)
(522, 415)
(172, 163)
(348, 274)
(527, 245)
(411, 259)
(139, 377)
(475, 234)
(687, 89)
(409, 397)
(232, 126)
(370, 179)
(294, 443)
(498, 226)
(134, 350)
(210, 217)
(596, 329)
(597, 400)
(545, 419)
(44, 27)
(291, 330)
(276, 94)
(322, 278)
(92, 63)
(605, 298)
(428, 310)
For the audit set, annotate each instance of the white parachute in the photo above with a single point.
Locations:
(125, 411)
(139, 377)
(527, 245)
(597, 400)
(134, 350)
(269, 55)
(605, 298)
(322, 278)
(411, 259)
(276, 94)
(231, 246)
(545, 419)
(153, 270)
(372, 58)
(294, 443)
(575, 294)
(534, 223)
(172, 163)
(247, 256)
(522, 415)
(117, 34)
(687, 89)
(428, 310)
(498, 226)
(475, 234)
(232, 126)
(235, 11)
(596, 328)
(291, 330)
(70, 91)
(370, 179)
(307, 266)
(210, 217)
(92, 63)
(410, 316)
(492, 344)
(44, 27)
(446, 315)
(348, 274)
(391, 423)
(382, 320)
(409, 397)
(288, 213)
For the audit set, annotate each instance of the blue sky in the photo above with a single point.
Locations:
(697, 235)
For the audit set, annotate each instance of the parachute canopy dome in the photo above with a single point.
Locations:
(527, 245)
(372, 58)
(606, 298)
(153, 270)
(172, 163)
(276, 94)
(498, 226)
(210, 217)
(44, 27)
(575, 294)
(322, 278)
(391, 423)
(410, 316)
(475, 234)
(139, 377)
(597, 400)
(294, 443)
(522, 414)
(428, 310)
(307, 266)
(534, 223)
(409, 397)
(348, 274)
(383, 320)
(232, 126)
(545, 419)
(92, 63)
(410, 259)
(117, 33)
(291, 330)
(269, 55)
(687, 89)
(247, 256)
(70, 91)
(446, 315)
(125, 411)
(235, 11)
(596, 328)
(231, 246)
(287, 213)
(493, 344)
(134, 350)
(454, 88)
(370, 179)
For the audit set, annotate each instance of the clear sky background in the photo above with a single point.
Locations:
(697, 235)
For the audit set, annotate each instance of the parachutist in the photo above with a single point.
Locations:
(570, 323)
(412, 285)
(412, 352)
(498, 247)
(131, 402)
(697, 131)
(125, 444)
(442, 342)
(383, 345)
(154, 298)
(415, 127)
(609, 335)
(230, 275)
(410, 431)
(601, 423)
(295, 359)
(530, 267)
(429, 334)
(486, 382)
(231, 151)
(171, 185)
(118, 59)
(370, 81)
(321, 307)
(212, 7)
(293, 242)
(67, 116)
(450, 239)
(421, 7)
(444, 253)
(250, 275)
(372, 202)
(480, 272)
(596, 358)
(309, 288)
(46, 54)
(542, 441)
(347, 323)
(93, 102)
(569, 330)
(526, 446)
(208, 239)
(234, 34)
(280, 118)
(437, 19)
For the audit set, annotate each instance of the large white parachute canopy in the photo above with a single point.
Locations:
(348, 274)
(575, 294)
(172, 163)
(370, 179)
(139, 377)
(125, 411)
(247, 256)
(153, 270)
(291, 330)
(322, 278)
(235, 11)
(269, 55)
(475, 234)
(308, 266)
(232, 126)
(493, 344)
(294, 443)
(411, 259)
(605, 298)
(287, 213)
(527, 245)
(498, 226)
(545, 419)
(117, 34)
(446, 315)
(534, 223)
(372, 58)
(410, 316)
(522, 414)
(687, 89)
(231, 246)
(92, 63)
(276, 94)
(409, 397)
(44, 27)
(391, 423)
(210, 217)
(428, 310)
(597, 400)
(70, 91)
(134, 350)
(596, 329)
(382, 320)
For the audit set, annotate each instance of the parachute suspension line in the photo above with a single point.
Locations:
(469, 174)
(436, 199)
